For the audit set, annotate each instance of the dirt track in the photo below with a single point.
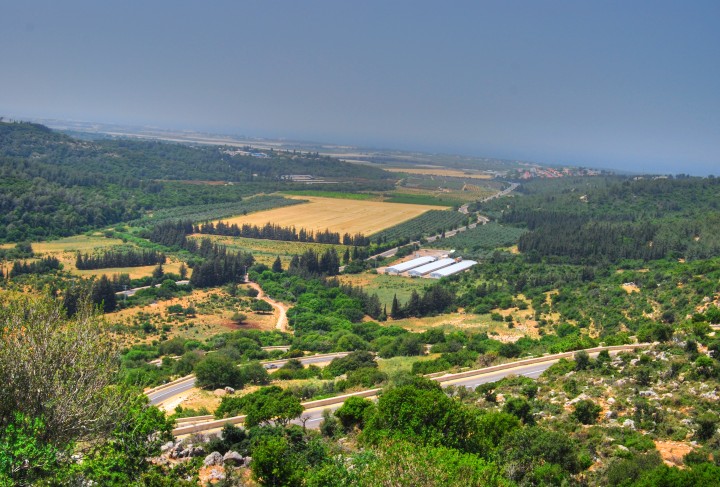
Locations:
(280, 308)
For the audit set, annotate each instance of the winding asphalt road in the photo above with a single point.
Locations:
(168, 391)
(312, 416)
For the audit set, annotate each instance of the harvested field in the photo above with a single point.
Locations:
(440, 171)
(337, 215)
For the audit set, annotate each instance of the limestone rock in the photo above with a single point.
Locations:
(233, 458)
(215, 458)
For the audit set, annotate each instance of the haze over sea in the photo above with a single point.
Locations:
(620, 85)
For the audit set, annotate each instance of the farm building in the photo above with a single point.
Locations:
(432, 266)
(410, 264)
(453, 269)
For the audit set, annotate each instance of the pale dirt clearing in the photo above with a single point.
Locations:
(337, 215)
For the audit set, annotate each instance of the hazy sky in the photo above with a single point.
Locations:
(628, 84)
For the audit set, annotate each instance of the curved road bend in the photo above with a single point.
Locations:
(161, 394)
(313, 416)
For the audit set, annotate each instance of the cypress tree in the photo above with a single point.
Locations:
(395, 308)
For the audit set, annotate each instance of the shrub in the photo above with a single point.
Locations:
(586, 411)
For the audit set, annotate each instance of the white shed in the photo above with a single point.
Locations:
(432, 266)
(453, 269)
(410, 264)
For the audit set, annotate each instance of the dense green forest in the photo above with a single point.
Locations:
(592, 220)
(53, 185)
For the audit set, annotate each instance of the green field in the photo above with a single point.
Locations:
(482, 239)
(429, 223)
(332, 194)
(387, 286)
(266, 251)
(423, 199)
(204, 212)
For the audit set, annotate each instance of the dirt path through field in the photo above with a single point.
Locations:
(279, 307)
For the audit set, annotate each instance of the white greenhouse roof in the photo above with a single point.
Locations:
(453, 269)
(410, 264)
(432, 266)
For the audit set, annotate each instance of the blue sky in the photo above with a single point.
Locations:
(629, 84)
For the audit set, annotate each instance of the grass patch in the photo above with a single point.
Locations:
(423, 199)
(387, 286)
(395, 365)
(82, 243)
(332, 194)
(266, 251)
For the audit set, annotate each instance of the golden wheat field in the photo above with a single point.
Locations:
(337, 215)
(440, 171)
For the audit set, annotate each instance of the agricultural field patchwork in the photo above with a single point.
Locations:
(212, 211)
(337, 215)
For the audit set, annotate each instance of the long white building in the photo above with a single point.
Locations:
(453, 269)
(432, 266)
(410, 264)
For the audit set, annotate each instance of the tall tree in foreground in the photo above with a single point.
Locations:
(56, 368)
(58, 397)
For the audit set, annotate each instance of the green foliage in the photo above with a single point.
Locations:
(354, 412)
(263, 406)
(402, 463)
(478, 242)
(707, 422)
(424, 416)
(137, 436)
(520, 408)
(586, 411)
(527, 452)
(366, 377)
(217, 370)
(619, 218)
(261, 306)
(429, 223)
(274, 463)
(582, 360)
(664, 476)
(24, 456)
(423, 199)
(353, 361)
(58, 369)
